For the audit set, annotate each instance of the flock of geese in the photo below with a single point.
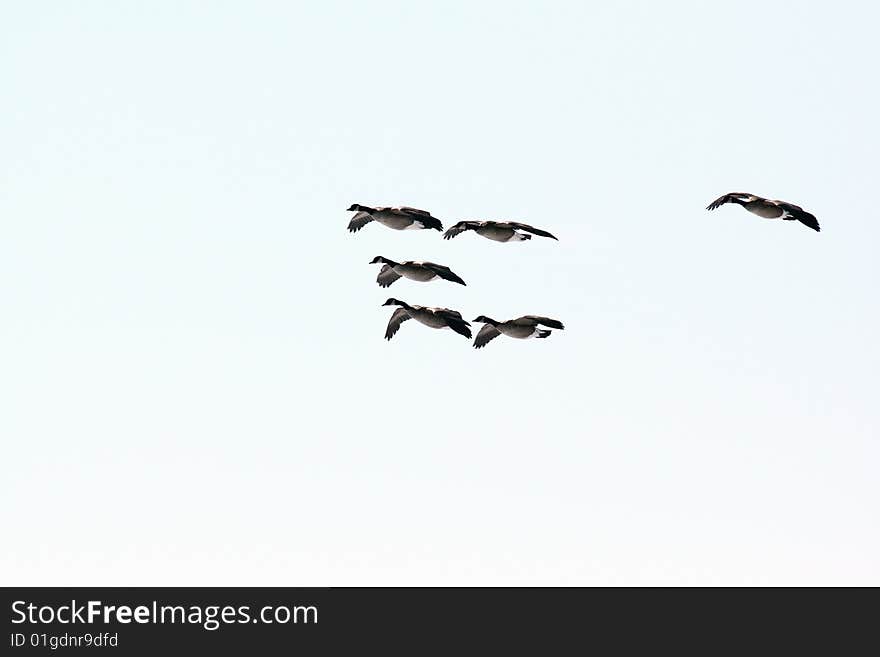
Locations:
(527, 326)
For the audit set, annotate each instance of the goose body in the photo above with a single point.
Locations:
(413, 270)
(401, 218)
(438, 318)
(527, 326)
(767, 208)
(497, 231)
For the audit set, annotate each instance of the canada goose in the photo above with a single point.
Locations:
(402, 218)
(499, 231)
(521, 327)
(767, 208)
(416, 271)
(439, 318)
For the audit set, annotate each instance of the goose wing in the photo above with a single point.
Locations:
(454, 320)
(386, 276)
(531, 229)
(732, 197)
(359, 220)
(444, 312)
(537, 319)
(443, 272)
(799, 213)
(397, 318)
(405, 209)
(422, 216)
(459, 228)
(485, 336)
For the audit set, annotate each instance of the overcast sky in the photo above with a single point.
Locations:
(194, 385)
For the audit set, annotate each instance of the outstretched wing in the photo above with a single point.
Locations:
(544, 321)
(359, 220)
(454, 321)
(397, 318)
(732, 197)
(485, 336)
(386, 276)
(443, 272)
(405, 209)
(459, 228)
(460, 326)
(422, 216)
(446, 312)
(800, 214)
(531, 229)
(808, 220)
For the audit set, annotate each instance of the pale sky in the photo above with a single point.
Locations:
(194, 385)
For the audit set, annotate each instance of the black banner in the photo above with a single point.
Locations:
(132, 621)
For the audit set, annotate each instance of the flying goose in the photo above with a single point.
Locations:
(439, 318)
(499, 231)
(415, 271)
(767, 208)
(521, 327)
(403, 218)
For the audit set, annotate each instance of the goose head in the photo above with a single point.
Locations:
(381, 259)
(356, 207)
(394, 302)
(485, 320)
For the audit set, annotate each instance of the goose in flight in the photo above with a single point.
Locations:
(521, 327)
(439, 318)
(499, 231)
(402, 218)
(767, 208)
(415, 271)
